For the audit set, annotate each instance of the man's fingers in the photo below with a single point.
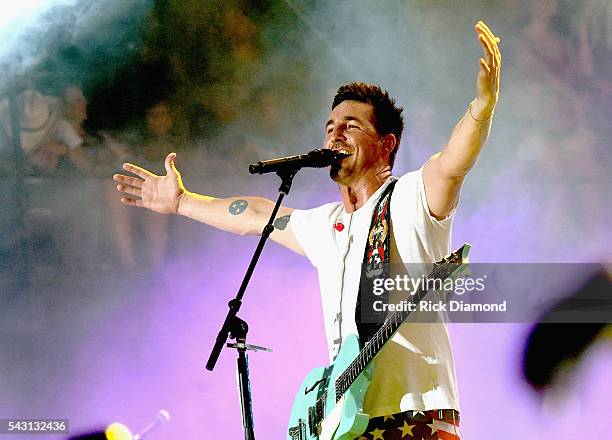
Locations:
(140, 172)
(169, 163)
(481, 25)
(483, 29)
(496, 52)
(130, 190)
(484, 65)
(488, 51)
(491, 50)
(128, 180)
(132, 202)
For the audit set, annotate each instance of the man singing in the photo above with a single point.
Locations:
(413, 392)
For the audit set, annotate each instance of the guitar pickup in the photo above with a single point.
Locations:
(314, 385)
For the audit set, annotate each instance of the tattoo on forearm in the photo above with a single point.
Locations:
(281, 222)
(238, 207)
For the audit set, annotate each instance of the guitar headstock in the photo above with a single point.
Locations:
(460, 256)
(455, 262)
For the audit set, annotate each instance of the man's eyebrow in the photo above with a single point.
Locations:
(344, 119)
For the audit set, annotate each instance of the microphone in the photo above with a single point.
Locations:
(161, 418)
(319, 158)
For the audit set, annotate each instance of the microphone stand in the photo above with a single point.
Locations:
(235, 327)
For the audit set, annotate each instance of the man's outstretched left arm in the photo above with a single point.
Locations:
(445, 171)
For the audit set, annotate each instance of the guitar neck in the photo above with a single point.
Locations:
(442, 270)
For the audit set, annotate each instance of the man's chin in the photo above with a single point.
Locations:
(334, 171)
(339, 175)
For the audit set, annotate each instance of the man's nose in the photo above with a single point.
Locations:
(337, 134)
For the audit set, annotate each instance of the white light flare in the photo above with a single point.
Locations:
(19, 17)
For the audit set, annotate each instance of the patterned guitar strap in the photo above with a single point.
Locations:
(375, 266)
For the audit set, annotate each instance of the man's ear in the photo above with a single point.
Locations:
(389, 143)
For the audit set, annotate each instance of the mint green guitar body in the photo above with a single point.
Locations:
(317, 415)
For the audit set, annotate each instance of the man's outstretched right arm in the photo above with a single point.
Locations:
(167, 195)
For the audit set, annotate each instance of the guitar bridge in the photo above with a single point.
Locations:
(298, 432)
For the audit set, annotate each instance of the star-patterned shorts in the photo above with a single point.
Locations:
(418, 425)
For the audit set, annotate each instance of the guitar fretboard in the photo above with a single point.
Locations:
(441, 271)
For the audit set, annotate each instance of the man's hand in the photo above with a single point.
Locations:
(157, 193)
(487, 83)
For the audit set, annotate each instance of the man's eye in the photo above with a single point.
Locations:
(352, 126)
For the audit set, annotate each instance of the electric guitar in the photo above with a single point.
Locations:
(329, 403)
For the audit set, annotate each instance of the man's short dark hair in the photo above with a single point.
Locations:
(388, 116)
